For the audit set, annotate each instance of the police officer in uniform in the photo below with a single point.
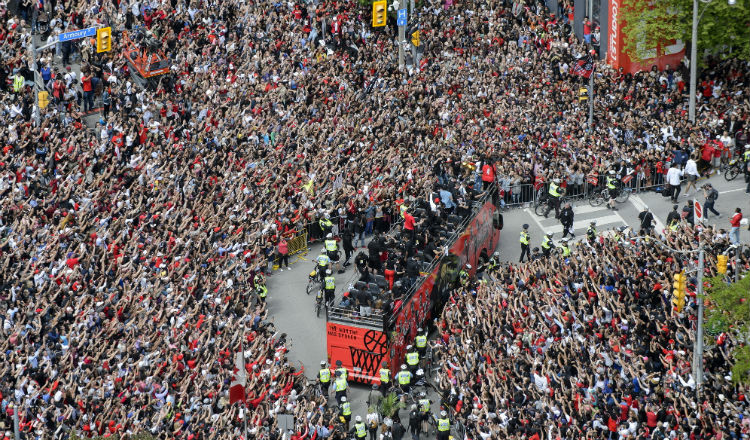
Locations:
(329, 286)
(566, 219)
(547, 244)
(525, 243)
(403, 378)
(421, 342)
(443, 426)
(332, 249)
(341, 369)
(340, 385)
(262, 292)
(591, 232)
(325, 224)
(323, 263)
(360, 429)
(424, 405)
(613, 190)
(345, 411)
(494, 262)
(463, 275)
(555, 194)
(385, 376)
(324, 378)
(674, 218)
(565, 248)
(412, 359)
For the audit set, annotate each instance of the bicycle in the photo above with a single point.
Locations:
(320, 302)
(601, 196)
(544, 204)
(733, 169)
(313, 281)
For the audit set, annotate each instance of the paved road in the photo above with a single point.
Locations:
(732, 195)
(293, 310)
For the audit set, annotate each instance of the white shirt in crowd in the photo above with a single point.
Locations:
(673, 176)
(691, 168)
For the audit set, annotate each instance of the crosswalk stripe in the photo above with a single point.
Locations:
(601, 222)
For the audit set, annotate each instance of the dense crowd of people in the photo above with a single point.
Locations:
(590, 346)
(130, 249)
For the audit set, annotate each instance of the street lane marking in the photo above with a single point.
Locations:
(611, 219)
(731, 190)
(640, 205)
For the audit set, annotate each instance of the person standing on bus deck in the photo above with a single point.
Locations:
(525, 243)
(421, 342)
(443, 426)
(345, 412)
(555, 194)
(385, 376)
(324, 378)
(340, 386)
(488, 175)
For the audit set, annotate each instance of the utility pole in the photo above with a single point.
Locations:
(693, 62)
(591, 99)
(401, 40)
(412, 11)
(698, 349)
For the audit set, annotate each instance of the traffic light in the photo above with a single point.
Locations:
(721, 264)
(583, 94)
(104, 39)
(379, 14)
(680, 288)
(43, 99)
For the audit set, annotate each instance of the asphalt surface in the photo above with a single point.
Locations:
(293, 310)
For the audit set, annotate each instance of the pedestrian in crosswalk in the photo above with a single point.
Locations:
(525, 243)
(647, 220)
(566, 218)
(591, 232)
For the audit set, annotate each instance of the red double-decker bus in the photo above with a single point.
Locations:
(363, 343)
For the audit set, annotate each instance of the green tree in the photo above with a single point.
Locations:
(723, 29)
(729, 311)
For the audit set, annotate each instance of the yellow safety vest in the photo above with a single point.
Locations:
(566, 251)
(424, 405)
(344, 372)
(331, 245)
(591, 232)
(524, 238)
(747, 156)
(546, 242)
(262, 291)
(403, 209)
(674, 225)
(18, 82)
(325, 223)
(346, 409)
(404, 377)
(385, 375)
(553, 190)
(325, 375)
(412, 358)
(611, 183)
(330, 283)
(421, 341)
(340, 384)
(323, 260)
(444, 425)
(361, 430)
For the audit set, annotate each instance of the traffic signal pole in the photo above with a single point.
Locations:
(401, 42)
(698, 347)
(412, 13)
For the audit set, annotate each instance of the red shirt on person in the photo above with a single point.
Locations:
(735, 220)
(409, 221)
(86, 83)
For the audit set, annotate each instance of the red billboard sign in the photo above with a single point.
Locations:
(668, 54)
